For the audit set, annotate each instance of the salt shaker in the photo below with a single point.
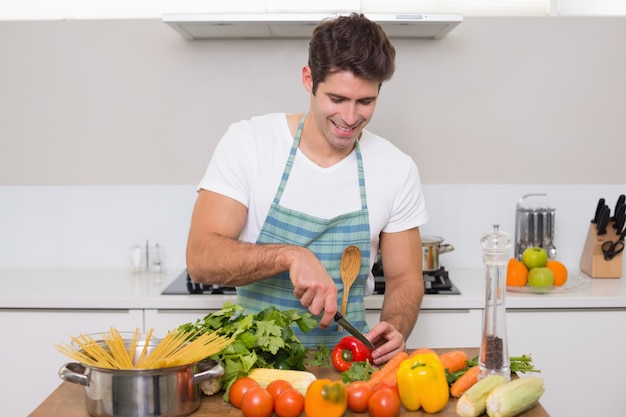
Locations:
(494, 355)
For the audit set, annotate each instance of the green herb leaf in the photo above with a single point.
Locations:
(359, 371)
(263, 340)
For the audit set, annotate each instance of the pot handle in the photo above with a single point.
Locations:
(75, 373)
(446, 247)
(208, 370)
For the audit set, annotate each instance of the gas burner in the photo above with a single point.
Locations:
(184, 285)
(438, 282)
(435, 282)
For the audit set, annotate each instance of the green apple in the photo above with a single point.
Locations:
(534, 257)
(540, 277)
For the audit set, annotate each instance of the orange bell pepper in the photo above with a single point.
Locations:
(326, 398)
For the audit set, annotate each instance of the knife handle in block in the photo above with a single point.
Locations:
(592, 260)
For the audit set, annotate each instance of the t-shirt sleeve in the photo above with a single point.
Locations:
(409, 207)
(231, 165)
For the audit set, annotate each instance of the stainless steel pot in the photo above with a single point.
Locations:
(432, 247)
(168, 392)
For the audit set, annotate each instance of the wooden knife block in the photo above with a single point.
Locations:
(592, 260)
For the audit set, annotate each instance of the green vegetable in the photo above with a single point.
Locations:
(263, 340)
(320, 356)
(473, 402)
(519, 364)
(514, 397)
(359, 371)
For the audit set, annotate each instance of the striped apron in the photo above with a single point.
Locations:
(327, 238)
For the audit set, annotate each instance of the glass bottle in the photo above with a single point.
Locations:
(494, 355)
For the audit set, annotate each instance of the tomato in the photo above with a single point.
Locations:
(384, 403)
(289, 403)
(387, 385)
(359, 393)
(239, 388)
(278, 386)
(257, 402)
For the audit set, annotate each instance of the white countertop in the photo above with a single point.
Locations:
(121, 289)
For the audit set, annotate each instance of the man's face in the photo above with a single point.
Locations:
(341, 107)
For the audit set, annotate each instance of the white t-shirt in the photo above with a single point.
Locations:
(249, 161)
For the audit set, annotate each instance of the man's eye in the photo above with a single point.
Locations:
(336, 99)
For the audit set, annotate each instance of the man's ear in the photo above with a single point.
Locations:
(307, 79)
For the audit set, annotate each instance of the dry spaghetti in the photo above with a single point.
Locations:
(115, 352)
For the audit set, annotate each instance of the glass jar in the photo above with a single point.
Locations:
(494, 355)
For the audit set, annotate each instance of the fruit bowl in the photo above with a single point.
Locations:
(574, 282)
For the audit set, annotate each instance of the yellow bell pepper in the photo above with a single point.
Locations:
(422, 383)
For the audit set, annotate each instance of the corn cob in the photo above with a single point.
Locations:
(300, 380)
(472, 402)
(514, 397)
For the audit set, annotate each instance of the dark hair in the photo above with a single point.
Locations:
(351, 43)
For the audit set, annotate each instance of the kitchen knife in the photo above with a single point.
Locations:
(601, 203)
(353, 330)
(603, 220)
(621, 200)
(620, 218)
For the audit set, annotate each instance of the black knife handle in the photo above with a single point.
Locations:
(618, 218)
(621, 200)
(601, 203)
(603, 220)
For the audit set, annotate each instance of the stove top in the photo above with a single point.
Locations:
(435, 282)
(183, 285)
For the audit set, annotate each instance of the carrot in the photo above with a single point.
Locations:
(454, 360)
(420, 351)
(388, 372)
(465, 382)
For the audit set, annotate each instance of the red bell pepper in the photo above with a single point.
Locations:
(348, 350)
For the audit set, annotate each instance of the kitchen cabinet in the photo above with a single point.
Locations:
(28, 358)
(443, 328)
(576, 350)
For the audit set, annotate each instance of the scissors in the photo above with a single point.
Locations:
(611, 249)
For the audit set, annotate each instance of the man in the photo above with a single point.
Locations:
(284, 194)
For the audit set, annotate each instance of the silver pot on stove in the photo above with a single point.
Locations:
(432, 247)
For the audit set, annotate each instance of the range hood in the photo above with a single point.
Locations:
(300, 25)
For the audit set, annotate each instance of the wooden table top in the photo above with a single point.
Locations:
(68, 400)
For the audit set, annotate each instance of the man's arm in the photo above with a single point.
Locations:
(215, 255)
(401, 254)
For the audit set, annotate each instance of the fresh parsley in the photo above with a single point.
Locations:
(263, 340)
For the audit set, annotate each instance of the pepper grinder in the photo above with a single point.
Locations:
(494, 355)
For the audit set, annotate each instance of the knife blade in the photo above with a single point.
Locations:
(601, 203)
(353, 330)
(603, 220)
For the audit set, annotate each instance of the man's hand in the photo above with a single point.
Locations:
(388, 342)
(313, 286)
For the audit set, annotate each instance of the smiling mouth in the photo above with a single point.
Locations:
(345, 130)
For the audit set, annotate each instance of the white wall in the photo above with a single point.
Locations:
(106, 127)
(498, 101)
(96, 226)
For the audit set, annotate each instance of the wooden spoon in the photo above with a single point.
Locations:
(349, 271)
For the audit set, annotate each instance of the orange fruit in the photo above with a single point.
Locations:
(559, 270)
(516, 273)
